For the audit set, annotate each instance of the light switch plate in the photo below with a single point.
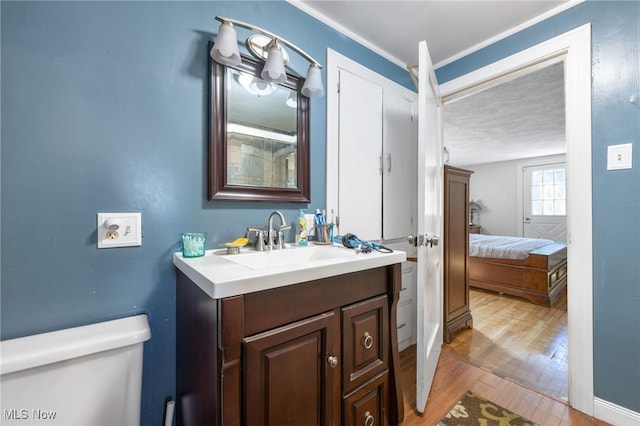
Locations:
(119, 230)
(619, 156)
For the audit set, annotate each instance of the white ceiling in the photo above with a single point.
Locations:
(450, 27)
(520, 119)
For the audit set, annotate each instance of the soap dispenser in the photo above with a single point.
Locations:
(301, 235)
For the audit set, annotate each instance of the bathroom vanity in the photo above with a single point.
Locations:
(301, 336)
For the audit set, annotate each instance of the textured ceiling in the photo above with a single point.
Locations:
(522, 118)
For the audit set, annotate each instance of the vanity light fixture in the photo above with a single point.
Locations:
(268, 47)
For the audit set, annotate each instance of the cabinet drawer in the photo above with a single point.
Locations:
(366, 406)
(365, 342)
(405, 328)
(406, 291)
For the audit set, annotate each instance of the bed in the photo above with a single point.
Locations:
(534, 269)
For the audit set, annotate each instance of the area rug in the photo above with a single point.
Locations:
(475, 410)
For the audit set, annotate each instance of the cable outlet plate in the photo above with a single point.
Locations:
(619, 157)
(119, 230)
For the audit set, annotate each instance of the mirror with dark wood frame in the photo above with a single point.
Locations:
(258, 136)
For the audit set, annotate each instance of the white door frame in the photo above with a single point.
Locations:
(574, 47)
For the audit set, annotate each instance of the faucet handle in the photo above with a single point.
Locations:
(259, 244)
(280, 241)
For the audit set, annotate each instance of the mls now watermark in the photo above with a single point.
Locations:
(26, 414)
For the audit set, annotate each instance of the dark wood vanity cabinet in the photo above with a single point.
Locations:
(457, 313)
(321, 352)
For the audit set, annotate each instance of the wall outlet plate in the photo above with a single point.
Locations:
(119, 230)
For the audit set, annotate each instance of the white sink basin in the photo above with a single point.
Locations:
(221, 275)
(288, 257)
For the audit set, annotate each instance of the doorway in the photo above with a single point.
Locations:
(544, 203)
(574, 48)
(494, 133)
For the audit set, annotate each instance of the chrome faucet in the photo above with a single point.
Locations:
(276, 240)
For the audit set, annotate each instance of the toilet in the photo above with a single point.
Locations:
(89, 375)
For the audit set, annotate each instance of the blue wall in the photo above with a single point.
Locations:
(104, 109)
(616, 194)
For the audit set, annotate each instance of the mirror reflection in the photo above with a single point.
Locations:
(262, 132)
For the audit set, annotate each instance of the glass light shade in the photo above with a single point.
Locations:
(225, 49)
(313, 84)
(292, 99)
(274, 67)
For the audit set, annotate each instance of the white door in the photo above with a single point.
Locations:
(360, 157)
(544, 199)
(430, 201)
(398, 152)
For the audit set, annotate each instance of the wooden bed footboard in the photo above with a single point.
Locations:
(540, 278)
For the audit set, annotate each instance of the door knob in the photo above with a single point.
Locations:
(423, 240)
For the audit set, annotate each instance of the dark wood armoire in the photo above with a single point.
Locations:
(457, 313)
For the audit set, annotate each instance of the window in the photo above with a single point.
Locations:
(549, 192)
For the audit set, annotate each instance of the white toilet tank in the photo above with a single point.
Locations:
(89, 375)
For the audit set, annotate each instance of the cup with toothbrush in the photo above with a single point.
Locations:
(323, 229)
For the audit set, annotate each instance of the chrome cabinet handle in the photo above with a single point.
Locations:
(369, 420)
(389, 163)
(367, 340)
(333, 361)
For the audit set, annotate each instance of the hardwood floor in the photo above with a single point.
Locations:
(455, 376)
(517, 340)
(515, 356)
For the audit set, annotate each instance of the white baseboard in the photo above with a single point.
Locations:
(614, 414)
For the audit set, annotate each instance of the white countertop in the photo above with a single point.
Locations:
(221, 275)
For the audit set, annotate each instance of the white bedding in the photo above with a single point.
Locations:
(481, 245)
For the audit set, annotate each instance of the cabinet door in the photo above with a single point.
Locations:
(365, 331)
(360, 155)
(290, 377)
(456, 251)
(399, 165)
